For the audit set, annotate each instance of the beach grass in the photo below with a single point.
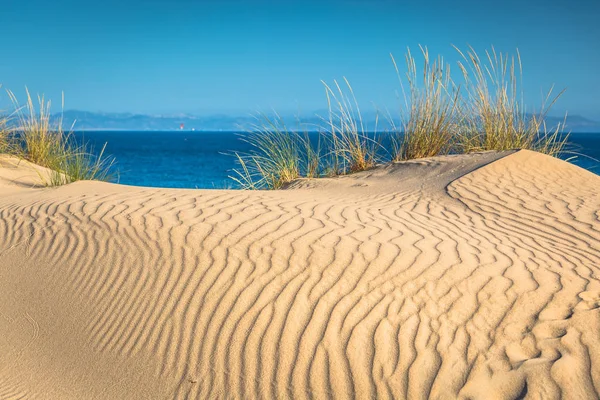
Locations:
(276, 157)
(4, 135)
(494, 116)
(39, 139)
(351, 148)
(485, 112)
(280, 155)
(429, 113)
(78, 163)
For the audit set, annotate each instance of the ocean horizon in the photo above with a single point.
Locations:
(205, 159)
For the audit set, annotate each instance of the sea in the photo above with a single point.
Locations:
(205, 160)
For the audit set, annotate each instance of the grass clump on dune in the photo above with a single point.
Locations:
(439, 117)
(429, 119)
(79, 163)
(40, 140)
(351, 149)
(494, 113)
(3, 136)
(278, 157)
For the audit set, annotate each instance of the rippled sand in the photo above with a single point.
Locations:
(472, 276)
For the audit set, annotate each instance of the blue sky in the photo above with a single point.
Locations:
(233, 56)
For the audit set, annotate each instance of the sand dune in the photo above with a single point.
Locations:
(474, 277)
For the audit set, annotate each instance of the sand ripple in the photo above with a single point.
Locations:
(457, 277)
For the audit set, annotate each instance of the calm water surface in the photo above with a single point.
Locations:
(184, 159)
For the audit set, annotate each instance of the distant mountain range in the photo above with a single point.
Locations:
(84, 120)
(88, 121)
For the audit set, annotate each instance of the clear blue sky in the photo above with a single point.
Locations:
(167, 56)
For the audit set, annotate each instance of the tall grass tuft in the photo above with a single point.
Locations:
(5, 142)
(42, 141)
(80, 163)
(4, 135)
(280, 155)
(351, 149)
(275, 158)
(438, 117)
(494, 114)
(429, 120)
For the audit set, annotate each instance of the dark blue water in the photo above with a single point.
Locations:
(171, 159)
(199, 160)
(585, 148)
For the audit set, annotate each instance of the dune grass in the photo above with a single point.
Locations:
(3, 135)
(40, 140)
(280, 155)
(351, 149)
(494, 113)
(429, 117)
(4, 132)
(79, 163)
(277, 155)
(486, 112)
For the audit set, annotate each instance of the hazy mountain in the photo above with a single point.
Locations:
(84, 120)
(576, 123)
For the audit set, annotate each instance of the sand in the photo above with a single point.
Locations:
(474, 277)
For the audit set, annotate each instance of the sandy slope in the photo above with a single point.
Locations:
(469, 276)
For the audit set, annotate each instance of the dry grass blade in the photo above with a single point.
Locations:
(429, 117)
(275, 158)
(80, 163)
(351, 148)
(438, 117)
(43, 141)
(3, 135)
(494, 114)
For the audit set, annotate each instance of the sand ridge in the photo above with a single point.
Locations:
(471, 276)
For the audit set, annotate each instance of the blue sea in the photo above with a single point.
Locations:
(186, 159)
